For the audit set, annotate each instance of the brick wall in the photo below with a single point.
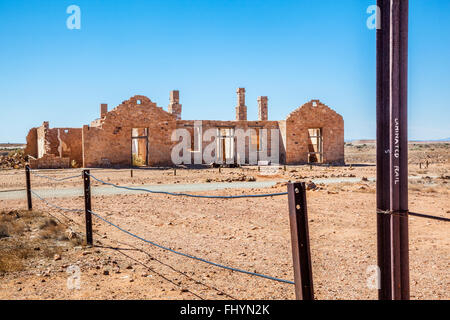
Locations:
(50, 161)
(60, 142)
(109, 144)
(32, 147)
(314, 114)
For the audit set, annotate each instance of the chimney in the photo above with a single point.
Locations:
(262, 109)
(241, 109)
(103, 110)
(174, 105)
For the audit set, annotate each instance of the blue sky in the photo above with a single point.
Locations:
(291, 51)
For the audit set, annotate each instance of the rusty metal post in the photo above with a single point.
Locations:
(28, 178)
(88, 206)
(392, 150)
(301, 255)
(131, 173)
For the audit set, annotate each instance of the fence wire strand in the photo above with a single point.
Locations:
(426, 216)
(163, 247)
(54, 179)
(61, 209)
(187, 194)
(54, 205)
(190, 256)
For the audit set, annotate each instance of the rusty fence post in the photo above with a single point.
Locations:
(301, 255)
(88, 206)
(27, 174)
(392, 150)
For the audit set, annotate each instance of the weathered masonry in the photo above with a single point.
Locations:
(139, 133)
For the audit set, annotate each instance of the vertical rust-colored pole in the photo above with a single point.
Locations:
(88, 206)
(301, 255)
(383, 220)
(28, 178)
(403, 32)
(392, 150)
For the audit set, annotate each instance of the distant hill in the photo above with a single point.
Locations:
(431, 141)
(369, 141)
(12, 145)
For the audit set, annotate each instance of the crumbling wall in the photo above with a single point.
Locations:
(282, 128)
(32, 147)
(110, 143)
(69, 144)
(50, 161)
(42, 143)
(314, 114)
(60, 142)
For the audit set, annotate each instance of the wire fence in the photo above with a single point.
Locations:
(153, 243)
(427, 216)
(189, 195)
(55, 179)
(190, 256)
(54, 205)
(86, 176)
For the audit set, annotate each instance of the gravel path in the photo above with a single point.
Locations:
(193, 187)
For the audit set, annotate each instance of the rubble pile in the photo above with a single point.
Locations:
(12, 160)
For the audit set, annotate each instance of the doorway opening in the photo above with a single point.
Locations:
(225, 148)
(315, 145)
(139, 147)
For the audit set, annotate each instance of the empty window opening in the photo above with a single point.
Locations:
(315, 145)
(139, 147)
(138, 102)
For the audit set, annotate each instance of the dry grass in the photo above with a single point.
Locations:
(351, 187)
(29, 235)
(10, 261)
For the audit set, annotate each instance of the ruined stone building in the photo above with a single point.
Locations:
(139, 133)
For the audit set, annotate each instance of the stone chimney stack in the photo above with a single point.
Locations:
(241, 109)
(262, 109)
(174, 105)
(103, 110)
